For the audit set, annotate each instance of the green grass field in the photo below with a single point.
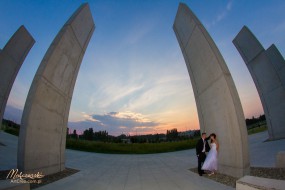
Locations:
(134, 148)
(257, 129)
(10, 130)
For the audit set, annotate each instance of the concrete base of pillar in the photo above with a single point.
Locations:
(235, 172)
(280, 159)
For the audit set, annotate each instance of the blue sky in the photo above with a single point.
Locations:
(133, 77)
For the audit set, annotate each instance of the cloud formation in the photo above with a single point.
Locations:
(124, 119)
(115, 121)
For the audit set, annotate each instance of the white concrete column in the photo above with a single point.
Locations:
(267, 68)
(217, 100)
(12, 57)
(44, 122)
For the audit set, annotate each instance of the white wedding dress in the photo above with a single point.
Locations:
(211, 162)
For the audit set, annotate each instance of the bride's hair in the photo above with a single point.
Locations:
(213, 135)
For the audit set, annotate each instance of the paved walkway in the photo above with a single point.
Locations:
(138, 172)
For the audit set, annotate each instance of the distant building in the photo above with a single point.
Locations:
(126, 141)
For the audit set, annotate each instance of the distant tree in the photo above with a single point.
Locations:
(101, 136)
(197, 133)
(134, 139)
(10, 123)
(172, 134)
(74, 134)
(88, 134)
(262, 118)
(253, 120)
(156, 138)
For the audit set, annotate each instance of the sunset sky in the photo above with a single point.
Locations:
(133, 78)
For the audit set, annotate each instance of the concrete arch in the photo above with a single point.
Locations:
(12, 57)
(44, 122)
(217, 100)
(267, 68)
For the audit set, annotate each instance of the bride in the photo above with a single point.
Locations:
(211, 162)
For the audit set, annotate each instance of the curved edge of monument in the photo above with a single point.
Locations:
(42, 139)
(267, 68)
(12, 57)
(218, 104)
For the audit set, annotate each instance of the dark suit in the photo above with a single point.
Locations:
(200, 154)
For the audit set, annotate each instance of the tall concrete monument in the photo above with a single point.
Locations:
(267, 68)
(11, 59)
(217, 100)
(44, 122)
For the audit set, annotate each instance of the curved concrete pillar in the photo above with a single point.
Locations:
(44, 122)
(267, 68)
(11, 60)
(217, 100)
(278, 62)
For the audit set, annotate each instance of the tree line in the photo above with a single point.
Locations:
(255, 121)
(103, 136)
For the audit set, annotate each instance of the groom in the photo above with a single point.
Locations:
(202, 147)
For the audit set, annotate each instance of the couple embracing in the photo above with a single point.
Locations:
(210, 162)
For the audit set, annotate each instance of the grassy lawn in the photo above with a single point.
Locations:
(134, 148)
(10, 130)
(257, 129)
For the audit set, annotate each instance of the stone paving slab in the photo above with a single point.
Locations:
(152, 171)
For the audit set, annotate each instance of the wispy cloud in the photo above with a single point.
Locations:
(222, 15)
(138, 32)
(110, 93)
(141, 82)
(280, 28)
(160, 93)
(124, 119)
(139, 28)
